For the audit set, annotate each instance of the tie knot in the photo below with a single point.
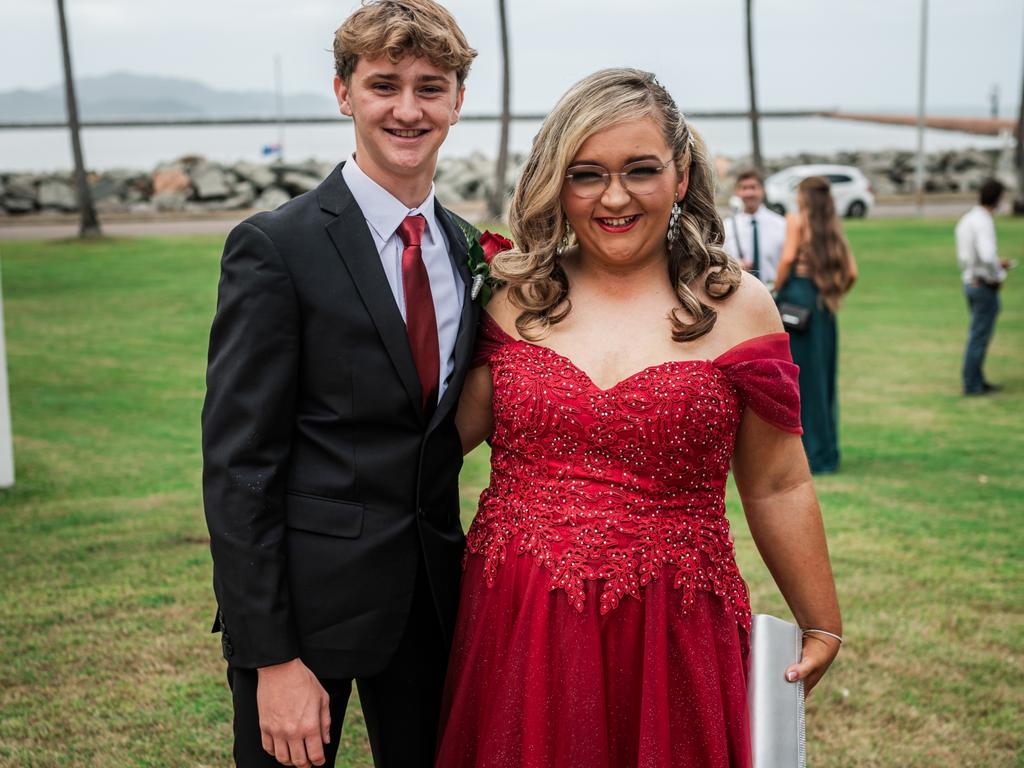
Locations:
(411, 230)
(753, 222)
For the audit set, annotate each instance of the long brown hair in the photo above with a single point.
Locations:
(538, 285)
(824, 248)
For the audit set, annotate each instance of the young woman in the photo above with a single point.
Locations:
(603, 622)
(816, 270)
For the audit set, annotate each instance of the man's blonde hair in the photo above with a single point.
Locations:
(400, 28)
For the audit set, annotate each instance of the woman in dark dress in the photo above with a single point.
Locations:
(815, 271)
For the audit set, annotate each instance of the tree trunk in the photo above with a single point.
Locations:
(89, 224)
(497, 201)
(755, 128)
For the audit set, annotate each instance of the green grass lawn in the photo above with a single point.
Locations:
(105, 593)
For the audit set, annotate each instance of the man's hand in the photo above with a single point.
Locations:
(295, 721)
(747, 264)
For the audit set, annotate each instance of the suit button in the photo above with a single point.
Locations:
(420, 512)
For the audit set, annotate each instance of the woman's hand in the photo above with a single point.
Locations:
(819, 651)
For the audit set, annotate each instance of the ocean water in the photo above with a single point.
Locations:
(47, 150)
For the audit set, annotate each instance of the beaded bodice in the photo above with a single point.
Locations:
(626, 485)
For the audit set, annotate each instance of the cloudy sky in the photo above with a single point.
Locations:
(812, 53)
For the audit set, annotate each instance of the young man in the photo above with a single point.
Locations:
(754, 236)
(982, 273)
(343, 333)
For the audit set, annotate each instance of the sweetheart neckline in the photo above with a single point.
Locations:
(605, 390)
(590, 381)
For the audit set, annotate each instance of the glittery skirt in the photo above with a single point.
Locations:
(534, 683)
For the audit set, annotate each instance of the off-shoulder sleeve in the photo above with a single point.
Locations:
(489, 340)
(764, 374)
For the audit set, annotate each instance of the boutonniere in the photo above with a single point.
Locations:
(482, 250)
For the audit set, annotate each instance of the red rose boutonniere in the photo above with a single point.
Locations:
(482, 250)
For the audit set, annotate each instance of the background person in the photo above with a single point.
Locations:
(755, 234)
(603, 620)
(982, 273)
(816, 270)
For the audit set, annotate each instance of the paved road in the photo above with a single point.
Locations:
(14, 228)
(59, 230)
(125, 225)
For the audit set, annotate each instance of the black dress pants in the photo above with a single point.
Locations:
(401, 705)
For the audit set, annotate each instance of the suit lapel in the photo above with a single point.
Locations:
(459, 254)
(458, 251)
(351, 237)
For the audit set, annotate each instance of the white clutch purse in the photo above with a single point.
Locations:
(776, 706)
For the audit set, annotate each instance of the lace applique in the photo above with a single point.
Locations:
(624, 486)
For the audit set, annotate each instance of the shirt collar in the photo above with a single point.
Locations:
(382, 210)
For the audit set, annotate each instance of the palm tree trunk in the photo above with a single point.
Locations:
(755, 129)
(89, 224)
(497, 201)
(1018, 155)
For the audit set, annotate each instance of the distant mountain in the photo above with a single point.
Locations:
(127, 95)
(134, 96)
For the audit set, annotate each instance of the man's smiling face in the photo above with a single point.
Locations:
(402, 112)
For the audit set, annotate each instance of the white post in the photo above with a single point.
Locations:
(6, 445)
(922, 68)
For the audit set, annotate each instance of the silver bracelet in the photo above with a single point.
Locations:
(833, 635)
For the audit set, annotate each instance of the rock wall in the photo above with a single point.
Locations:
(891, 172)
(188, 184)
(193, 184)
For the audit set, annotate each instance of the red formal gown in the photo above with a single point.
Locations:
(603, 622)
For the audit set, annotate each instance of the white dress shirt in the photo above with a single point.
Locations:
(976, 247)
(771, 234)
(384, 213)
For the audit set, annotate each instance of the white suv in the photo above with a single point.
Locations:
(851, 190)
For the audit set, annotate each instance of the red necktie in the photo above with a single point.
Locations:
(420, 321)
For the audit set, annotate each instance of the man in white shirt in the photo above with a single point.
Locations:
(982, 273)
(754, 236)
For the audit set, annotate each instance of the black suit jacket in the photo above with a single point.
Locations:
(324, 482)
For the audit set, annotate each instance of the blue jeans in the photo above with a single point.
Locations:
(983, 303)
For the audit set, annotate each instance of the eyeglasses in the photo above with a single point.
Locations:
(640, 178)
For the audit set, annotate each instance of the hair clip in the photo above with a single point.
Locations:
(689, 133)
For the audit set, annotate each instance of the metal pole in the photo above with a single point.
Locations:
(919, 175)
(755, 118)
(6, 444)
(279, 91)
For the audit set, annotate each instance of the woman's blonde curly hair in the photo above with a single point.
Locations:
(537, 283)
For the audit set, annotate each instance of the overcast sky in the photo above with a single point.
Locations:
(811, 53)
